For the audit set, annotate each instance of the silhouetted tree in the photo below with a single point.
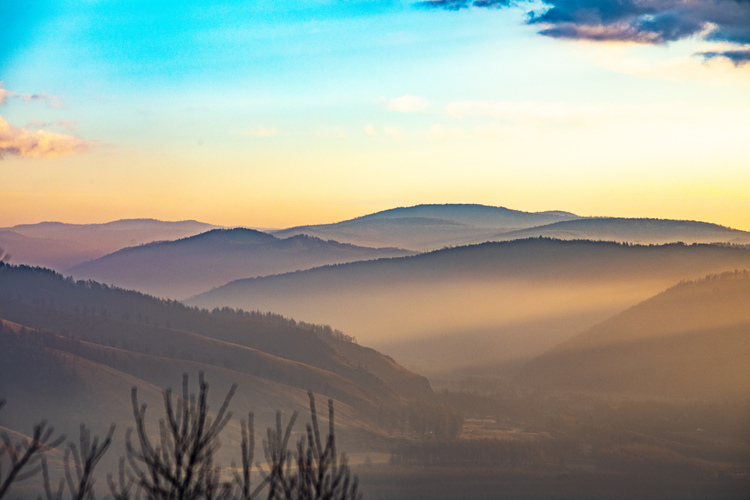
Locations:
(181, 466)
(126, 480)
(247, 449)
(85, 459)
(321, 474)
(24, 454)
(49, 494)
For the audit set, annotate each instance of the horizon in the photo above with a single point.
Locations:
(352, 217)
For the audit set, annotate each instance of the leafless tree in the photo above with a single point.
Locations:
(247, 449)
(23, 456)
(125, 481)
(49, 494)
(85, 459)
(180, 466)
(281, 482)
(321, 474)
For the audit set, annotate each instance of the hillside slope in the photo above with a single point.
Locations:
(692, 340)
(59, 245)
(478, 304)
(181, 268)
(644, 231)
(62, 340)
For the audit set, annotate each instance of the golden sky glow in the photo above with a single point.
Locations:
(329, 115)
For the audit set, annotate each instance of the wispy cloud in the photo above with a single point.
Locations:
(407, 104)
(738, 56)
(637, 21)
(50, 100)
(18, 141)
(463, 4)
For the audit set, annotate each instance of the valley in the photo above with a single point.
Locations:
(535, 368)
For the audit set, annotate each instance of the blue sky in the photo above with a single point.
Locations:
(280, 113)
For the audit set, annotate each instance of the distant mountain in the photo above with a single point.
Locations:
(179, 269)
(429, 227)
(59, 246)
(693, 340)
(645, 231)
(473, 214)
(70, 351)
(466, 306)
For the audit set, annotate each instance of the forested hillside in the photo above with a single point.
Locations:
(479, 304)
(71, 350)
(692, 340)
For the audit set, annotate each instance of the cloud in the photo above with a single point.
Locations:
(19, 141)
(738, 56)
(50, 100)
(407, 104)
(462, 4)
(637, 21)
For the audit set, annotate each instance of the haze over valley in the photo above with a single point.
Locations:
(498, 324)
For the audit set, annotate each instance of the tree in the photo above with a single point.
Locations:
(24, 454)
(180, 466)
(320, 474)
(85, 459)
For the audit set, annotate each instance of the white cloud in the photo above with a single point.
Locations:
(408, 104)
(370, 130)
(19, 141)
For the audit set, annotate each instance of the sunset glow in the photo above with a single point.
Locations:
(312, 112)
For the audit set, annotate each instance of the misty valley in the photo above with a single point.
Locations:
(454, 351)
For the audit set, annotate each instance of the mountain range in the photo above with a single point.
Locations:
(474, 304)
(58, 245)
(429, 227)
(185, 267)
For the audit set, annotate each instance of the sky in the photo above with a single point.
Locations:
(274, 114)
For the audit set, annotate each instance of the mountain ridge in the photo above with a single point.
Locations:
(183, 267)
(514, 288)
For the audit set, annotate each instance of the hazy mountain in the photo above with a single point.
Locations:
(59, 246)
(478, 304)
(693, 340)
(428, 227)
(49, 252)
(182, 268)
(70, 352)
(645, 231)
